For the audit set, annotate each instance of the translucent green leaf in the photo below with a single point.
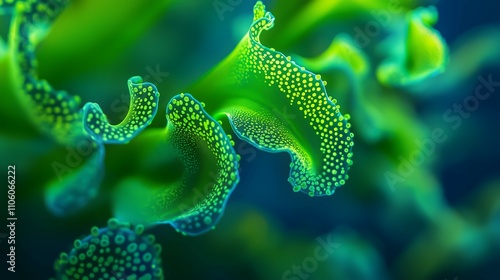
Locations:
(192, 200)
(277, 105)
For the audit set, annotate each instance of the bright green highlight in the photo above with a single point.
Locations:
(423, 54)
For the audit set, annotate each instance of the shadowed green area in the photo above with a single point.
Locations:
(114, 22)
